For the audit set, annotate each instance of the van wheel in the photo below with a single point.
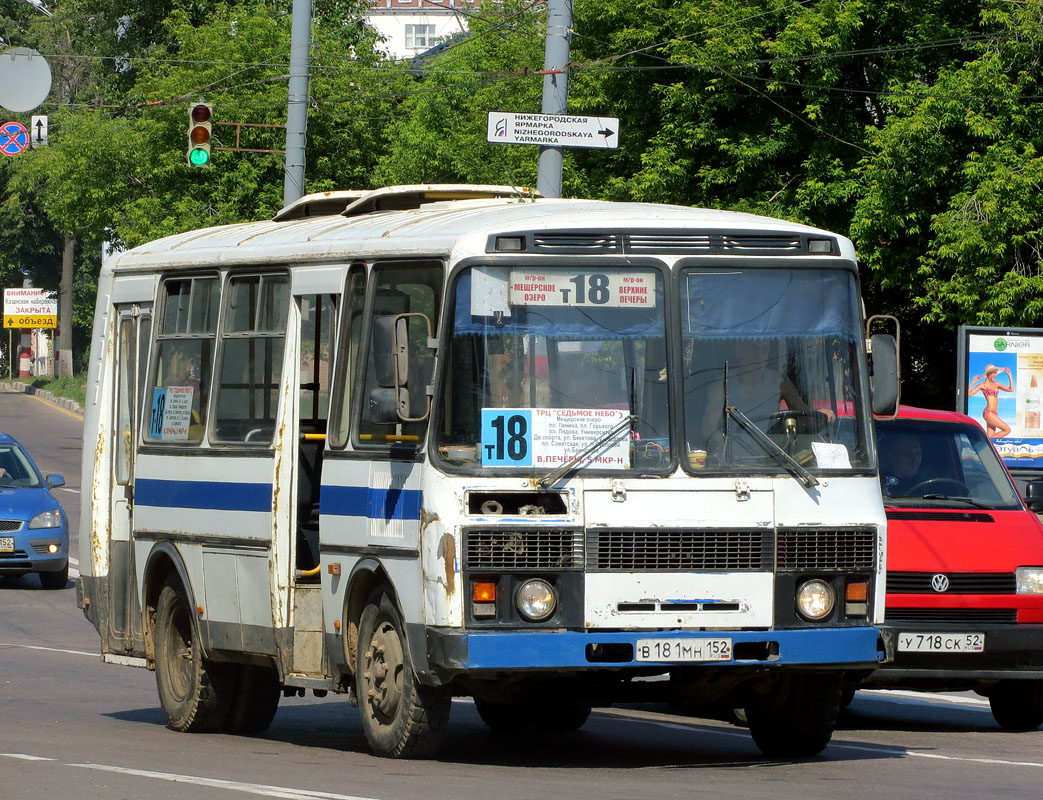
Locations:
(798, 719)
(195, 694)
(400, 716)
(1017, 705)
(255, 700)
(562, 717)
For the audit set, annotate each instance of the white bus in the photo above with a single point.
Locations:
(435, 441)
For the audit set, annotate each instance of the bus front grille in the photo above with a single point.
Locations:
(535, 548)
(826, 549)
(674, 550)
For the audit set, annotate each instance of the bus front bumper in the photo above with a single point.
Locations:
(453, 651)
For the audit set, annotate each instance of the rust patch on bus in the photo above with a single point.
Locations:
(448, 547)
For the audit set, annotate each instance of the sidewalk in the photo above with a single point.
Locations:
(62, 402)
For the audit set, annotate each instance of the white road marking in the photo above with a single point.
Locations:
(67, 489)
(26, 757)
(235, 786)
(926, 697)
(900, 751)
(50, 649)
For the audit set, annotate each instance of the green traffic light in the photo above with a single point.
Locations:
(199, 157)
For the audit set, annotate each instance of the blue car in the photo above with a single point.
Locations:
(34, 531)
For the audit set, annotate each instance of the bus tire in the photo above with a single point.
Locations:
(563, 716)
(798, 720)
(195, 694)
(254, 701)
(1017, 705)
(400, 717)
(505, 717)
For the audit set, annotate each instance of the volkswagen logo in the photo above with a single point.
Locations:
(939, 582)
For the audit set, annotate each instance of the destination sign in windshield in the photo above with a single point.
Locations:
(557, 288)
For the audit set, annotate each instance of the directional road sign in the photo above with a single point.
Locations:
(14, 138)
(39, 130)
(552, 130)
(30, 308)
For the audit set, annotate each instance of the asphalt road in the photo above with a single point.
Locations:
(73, 727)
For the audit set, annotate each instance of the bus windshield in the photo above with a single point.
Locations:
(773, 351)
(545, 362)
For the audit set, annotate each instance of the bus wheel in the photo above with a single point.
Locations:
(798, 719)
(194, 693)
(505, 717)
(562, 716)
(400, 717)
(1017, 705)
(255, 700)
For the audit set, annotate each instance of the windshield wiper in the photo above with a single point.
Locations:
(555, 475)
(960, 498)
(771, 448)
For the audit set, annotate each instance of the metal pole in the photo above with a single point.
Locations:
(555, 90)
(297, 107)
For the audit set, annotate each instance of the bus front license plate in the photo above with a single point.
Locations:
(941, 642)
(684, 650)
(6, 544)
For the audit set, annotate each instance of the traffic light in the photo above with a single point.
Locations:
(199, 126)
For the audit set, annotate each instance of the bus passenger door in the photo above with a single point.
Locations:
(134, 332)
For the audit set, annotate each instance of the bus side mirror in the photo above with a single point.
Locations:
(390, 351)
(885, 378)
(1034, 495)
(393, 368)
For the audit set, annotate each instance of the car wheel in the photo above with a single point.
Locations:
(55, 580)
(400, 716)
(195, 695)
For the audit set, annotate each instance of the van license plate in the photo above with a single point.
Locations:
(684, 650)
(6, 544)
(941, 642)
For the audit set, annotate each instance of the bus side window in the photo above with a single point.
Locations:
(347, 355)
(253, 338)
(176, 405)
(398, 290)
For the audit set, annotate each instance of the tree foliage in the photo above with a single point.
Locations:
(912, 126)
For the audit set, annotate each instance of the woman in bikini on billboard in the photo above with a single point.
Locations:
(990, 387)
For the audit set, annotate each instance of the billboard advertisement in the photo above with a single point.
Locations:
(1000, 384)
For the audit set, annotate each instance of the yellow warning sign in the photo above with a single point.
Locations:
(30, 320)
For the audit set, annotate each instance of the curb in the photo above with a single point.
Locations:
(43, 394)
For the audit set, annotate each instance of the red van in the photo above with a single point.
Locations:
(964, 605)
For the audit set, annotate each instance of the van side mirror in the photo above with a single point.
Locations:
(1034, 496)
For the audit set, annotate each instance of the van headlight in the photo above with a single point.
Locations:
(1030, 580)
(47, 519)
(815, 599)
(536, 600)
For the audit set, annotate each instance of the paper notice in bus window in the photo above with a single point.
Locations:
(564, 288)
(546, 438)
(171, 413)
(831, 456)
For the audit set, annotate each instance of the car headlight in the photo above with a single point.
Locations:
(47, 519)
(815, 599)
(1030, 580)
(536, 600)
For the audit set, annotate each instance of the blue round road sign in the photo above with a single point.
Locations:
(14, 138)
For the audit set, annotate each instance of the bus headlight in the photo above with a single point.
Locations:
(536, 600)
(815, 599)
(1030, 580)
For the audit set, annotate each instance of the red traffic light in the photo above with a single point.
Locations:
(201, 113)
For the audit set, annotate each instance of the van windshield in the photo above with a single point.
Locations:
(938, 463)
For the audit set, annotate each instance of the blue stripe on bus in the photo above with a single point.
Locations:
(366, 501)
(208, 495)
